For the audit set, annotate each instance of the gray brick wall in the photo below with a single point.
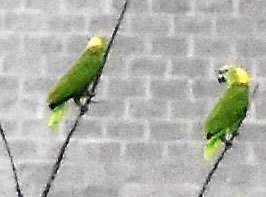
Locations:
(144, 137)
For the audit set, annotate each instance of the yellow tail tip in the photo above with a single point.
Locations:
(56, 116)
(212, 149)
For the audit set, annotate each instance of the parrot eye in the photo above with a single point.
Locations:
(222, 71)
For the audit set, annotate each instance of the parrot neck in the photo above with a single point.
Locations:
(98, 51)
(229, 85)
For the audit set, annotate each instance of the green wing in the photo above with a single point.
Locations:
(229, 112)
(75, 81)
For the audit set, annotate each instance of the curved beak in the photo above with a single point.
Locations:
(221, 78)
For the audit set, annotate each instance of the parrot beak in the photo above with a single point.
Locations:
(221, 78)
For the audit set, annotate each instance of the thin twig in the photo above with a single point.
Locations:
(18, 190)
(85, 106)
(110, 44)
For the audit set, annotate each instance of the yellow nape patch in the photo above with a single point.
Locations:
(242, 75)
(95, 43)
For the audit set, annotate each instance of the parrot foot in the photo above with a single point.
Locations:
(235, 134)
(95, 101)
(89, 93)
(228, 143)
(77, 101)
(83, 109)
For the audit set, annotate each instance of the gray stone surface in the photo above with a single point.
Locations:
(144, 137)
(7, 183)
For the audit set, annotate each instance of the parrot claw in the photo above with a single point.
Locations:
(95, 101)
(89, 93)
(92, 95)
(83, 109)
(228, 143)
(236, 134)
(77, 101)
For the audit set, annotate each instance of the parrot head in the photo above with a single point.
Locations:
(234, 74)
(96, 43)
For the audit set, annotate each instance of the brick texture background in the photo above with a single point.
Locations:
(144, 138)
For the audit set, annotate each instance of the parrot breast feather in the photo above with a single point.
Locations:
(230, 110)
(75, 81)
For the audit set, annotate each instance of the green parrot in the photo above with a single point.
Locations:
(230, 110)
(74, 84)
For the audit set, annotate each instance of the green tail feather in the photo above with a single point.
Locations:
(56, 116)
(212, 148)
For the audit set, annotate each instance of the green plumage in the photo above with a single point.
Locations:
(229, 111)
(76, 81)
(78, 78)
(227, 115)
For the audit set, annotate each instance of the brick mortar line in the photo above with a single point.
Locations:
(83, 108)
(14, 170)
(228, 145)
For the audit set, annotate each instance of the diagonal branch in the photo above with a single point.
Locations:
(18, 190)
(216, 165)
(83, 108)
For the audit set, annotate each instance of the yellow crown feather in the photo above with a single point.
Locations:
(243, 76)
(95, 43)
